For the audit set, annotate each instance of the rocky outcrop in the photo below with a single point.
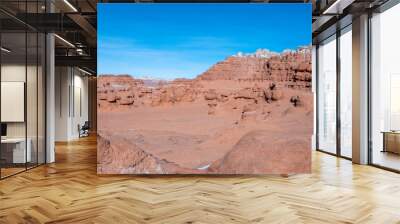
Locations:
(247, 94)
(126, 90)
(122, 156)
(236, 68)
(249, 108)
(126, 98)
(211, 95)
(295, 100)
(249, 115)
(293, 68)
(261, 151)
(272, 93)
(122, 81)
(212, 107)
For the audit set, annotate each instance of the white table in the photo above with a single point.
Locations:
(19, 153)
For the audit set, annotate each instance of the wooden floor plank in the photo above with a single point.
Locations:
(70, 191)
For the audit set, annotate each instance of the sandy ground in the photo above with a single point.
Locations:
(186, 135)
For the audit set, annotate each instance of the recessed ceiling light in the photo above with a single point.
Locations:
(70, 5)
(64, 40)
(5, 50)
(337, 7)
(84, 71)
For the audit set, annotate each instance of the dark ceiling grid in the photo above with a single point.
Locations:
(76, 22)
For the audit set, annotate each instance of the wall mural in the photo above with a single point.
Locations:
(204, 89)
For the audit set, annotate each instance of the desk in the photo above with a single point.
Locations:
(391, 141)
(15, 148)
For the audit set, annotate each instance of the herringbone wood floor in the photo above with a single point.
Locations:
(69, 191)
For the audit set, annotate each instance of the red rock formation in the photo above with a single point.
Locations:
(212, 108)
(211, 95)
(116, 154)
(235, 68)
(291, 69)
(264, 151)
(227, 105)
(294, 68)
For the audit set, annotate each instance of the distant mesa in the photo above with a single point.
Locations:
(288, 66)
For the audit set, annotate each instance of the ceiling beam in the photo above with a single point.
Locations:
(77, 61)
(86, 27)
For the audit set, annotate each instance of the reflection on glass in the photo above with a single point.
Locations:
(385, 89)
(14, 153)
(41, 98)
(346, 93)
(394, 102)
(31, 100)
(22, 90)
(327, 95)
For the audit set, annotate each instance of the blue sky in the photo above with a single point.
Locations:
(183, 40)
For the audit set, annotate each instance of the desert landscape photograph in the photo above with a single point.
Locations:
(204, 89)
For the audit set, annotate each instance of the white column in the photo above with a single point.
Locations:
(50, 99)
(63, 101)
(314, 91)
(360, 90)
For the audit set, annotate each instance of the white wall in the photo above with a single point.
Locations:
(70, 83)
(14, 72)
(17, 72)
(80, 103)
(12, 101)
(33, 127)
(62, 82)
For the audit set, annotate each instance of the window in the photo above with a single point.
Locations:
(326, 95)
(385, 89)
(346, 92)
(331, 133)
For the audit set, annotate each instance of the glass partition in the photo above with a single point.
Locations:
(22, 88)
(385, 89)
(31, 99)
(326, 95)
(13, 109)
(346, 92)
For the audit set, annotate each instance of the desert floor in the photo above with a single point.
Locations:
(185, 134)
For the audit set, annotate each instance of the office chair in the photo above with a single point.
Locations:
(84, 130)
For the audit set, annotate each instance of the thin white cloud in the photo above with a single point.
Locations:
(187, 59)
